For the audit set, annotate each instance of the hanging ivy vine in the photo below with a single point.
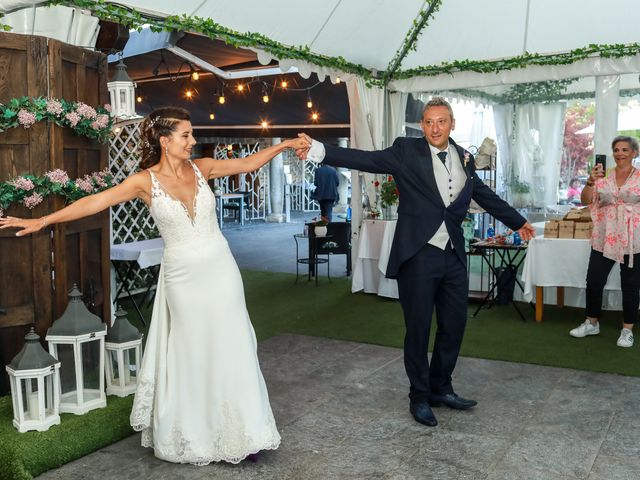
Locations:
(410, 41)
(206, 26)
(522, 61)
(135, 19)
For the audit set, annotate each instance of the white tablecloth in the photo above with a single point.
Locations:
(376, 237)
(145, 252)
(560, 262)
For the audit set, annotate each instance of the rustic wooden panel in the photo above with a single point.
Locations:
(34, 66)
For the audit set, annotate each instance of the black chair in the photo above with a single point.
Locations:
(338, 243)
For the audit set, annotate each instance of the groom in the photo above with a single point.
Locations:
(436, 179)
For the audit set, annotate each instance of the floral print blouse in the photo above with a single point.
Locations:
(616, 217)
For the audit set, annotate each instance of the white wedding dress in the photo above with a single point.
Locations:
(201, 397)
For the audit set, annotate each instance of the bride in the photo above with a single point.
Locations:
(201, 397)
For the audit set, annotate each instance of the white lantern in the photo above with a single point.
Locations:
(124, 349)
(122, 92)
(35, 383)
(77, 340)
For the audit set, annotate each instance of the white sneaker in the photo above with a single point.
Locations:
(585, 329)
(626, 338)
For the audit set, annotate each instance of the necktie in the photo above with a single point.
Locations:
(443, 157)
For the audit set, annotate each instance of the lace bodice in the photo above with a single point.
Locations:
(172, 217)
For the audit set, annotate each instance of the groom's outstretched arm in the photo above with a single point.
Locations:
(377, 161)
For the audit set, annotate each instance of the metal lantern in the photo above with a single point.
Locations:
(77, 340)
(35, 383)
(122, 92)
(123, 349)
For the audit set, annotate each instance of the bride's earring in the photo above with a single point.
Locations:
(166, 152)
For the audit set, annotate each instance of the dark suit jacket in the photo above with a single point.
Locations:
(421, 209)
(326, 182)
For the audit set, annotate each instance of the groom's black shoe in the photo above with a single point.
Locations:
(451, 400)
(422, 414)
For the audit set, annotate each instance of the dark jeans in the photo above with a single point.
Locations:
(433, 278)
(597, 273)
(326, 208)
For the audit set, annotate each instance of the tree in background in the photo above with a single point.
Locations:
(577, 150)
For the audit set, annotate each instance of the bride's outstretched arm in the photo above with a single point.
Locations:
(223, 168)
(132, 187)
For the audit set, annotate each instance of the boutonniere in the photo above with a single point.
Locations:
(466, 159)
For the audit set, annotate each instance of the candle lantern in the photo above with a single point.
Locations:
(76, 339)
(123, 349)
(35, 381)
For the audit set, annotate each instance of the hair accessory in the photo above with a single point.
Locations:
(153, 121)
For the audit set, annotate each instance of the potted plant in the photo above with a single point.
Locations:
(319, 227)
(519, 192)
(389, 197)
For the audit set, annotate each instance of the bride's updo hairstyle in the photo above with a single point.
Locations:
(159, 123)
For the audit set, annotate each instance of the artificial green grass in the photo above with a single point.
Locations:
(278, 305)
(25, 455)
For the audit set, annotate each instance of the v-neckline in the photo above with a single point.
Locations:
(196, 191)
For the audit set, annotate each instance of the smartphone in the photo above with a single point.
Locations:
(602, 160)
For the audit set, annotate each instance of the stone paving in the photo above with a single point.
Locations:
(342, 411)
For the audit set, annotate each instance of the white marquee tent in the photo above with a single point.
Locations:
(386, 49)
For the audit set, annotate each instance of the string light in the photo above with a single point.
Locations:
(265, 98)
(264, 124)
(188, 94)
(221, 99)
(284, 84)
(195, 75)
(314, 116)
(240, 87)
(139, 99)
(230, 147)
(309, 102)
(212, 116)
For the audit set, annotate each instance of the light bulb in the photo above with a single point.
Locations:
(265, 98)
(230, 146)
(264, 124)
(189, 93)
(221, 100)
(338, 80)
(309, 104)
(212, 116)
(139, 99)
(284, 84)
(314, 116)
(195, 76)
(240, 87)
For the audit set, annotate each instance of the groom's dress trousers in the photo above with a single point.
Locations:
(427, 255)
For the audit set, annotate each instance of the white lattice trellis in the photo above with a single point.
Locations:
(255, 183)
(302, 186)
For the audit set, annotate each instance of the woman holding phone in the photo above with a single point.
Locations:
(615, 210)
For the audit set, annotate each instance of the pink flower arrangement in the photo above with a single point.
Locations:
(108, 108)
(73, 118)
(86, 111)
(85, 184)
(22, 183)
(32, 200)
(100, 122)
(58, 176)
(54, 106)
(26, 119)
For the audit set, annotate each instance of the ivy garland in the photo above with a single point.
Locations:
(410, 42)
(213, 30)
(522, 61)
(134, 19)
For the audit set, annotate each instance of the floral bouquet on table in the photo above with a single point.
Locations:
(30, 190)
(389, 192)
